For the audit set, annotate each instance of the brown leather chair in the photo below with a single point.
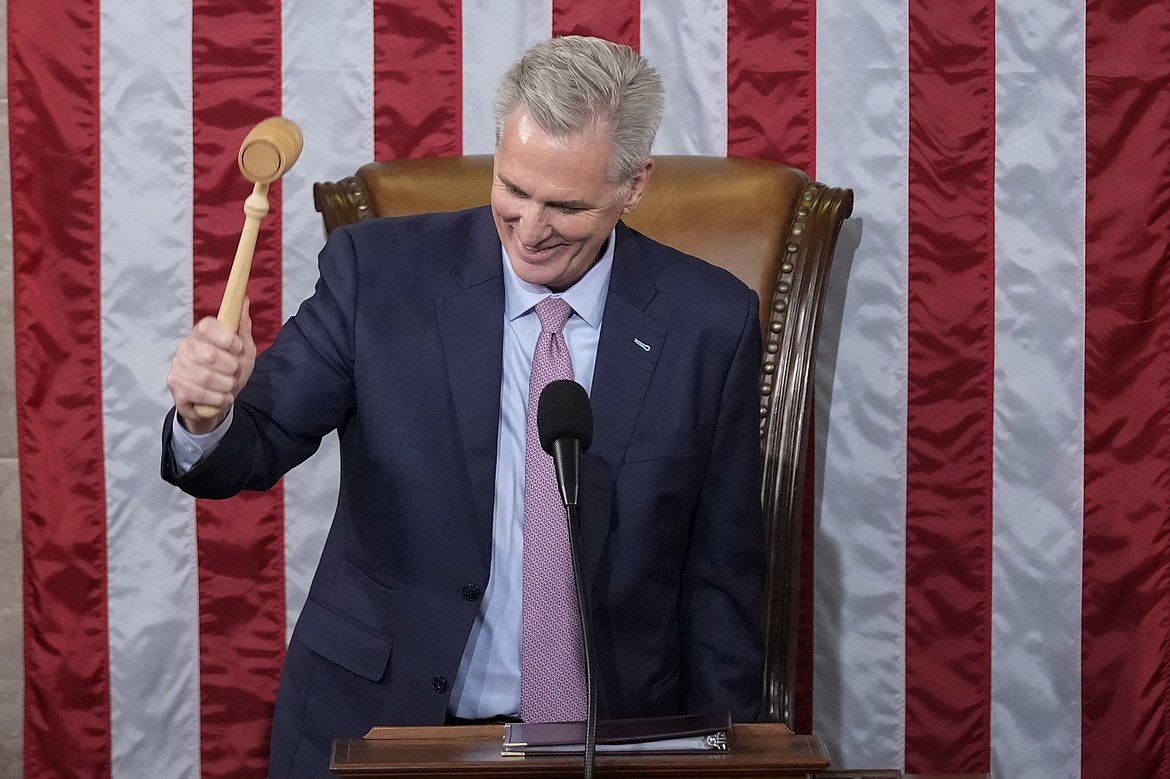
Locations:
(769, 225)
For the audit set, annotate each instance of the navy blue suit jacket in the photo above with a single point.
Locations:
(400, 350)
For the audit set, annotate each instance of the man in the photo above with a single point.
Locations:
(417, 347)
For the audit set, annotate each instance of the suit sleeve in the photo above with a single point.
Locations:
(300, 390)
(723, 589)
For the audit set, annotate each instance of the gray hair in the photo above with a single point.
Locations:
(573, 84)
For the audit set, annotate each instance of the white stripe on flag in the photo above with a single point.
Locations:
(494, 36)
(146, 213)
(859, 611)
(686, 41)
(327, 62)
(1039, 389)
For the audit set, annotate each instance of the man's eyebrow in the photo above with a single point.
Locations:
(579, 205)
(509, 184)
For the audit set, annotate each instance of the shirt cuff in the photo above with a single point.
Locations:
(188, 448)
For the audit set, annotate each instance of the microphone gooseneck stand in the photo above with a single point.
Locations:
(586, 644)
(566, 430)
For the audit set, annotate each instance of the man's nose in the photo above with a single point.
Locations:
(532, 227)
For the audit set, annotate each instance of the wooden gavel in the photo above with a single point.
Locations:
(268, 151)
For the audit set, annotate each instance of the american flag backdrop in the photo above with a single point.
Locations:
(989, 558)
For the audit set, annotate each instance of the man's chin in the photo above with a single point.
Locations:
(543, 274)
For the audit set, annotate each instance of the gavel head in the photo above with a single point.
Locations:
(270, 149)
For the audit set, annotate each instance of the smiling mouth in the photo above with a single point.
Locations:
(538, 251)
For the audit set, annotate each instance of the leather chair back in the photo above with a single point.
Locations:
(767, 223)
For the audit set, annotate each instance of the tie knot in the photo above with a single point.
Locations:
(553, 313)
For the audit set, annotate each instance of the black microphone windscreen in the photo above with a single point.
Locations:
(564, 412)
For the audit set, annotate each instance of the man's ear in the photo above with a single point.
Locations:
(638, 186)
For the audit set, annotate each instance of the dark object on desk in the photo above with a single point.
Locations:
(768, 224)
(890, 774)
(687, 733)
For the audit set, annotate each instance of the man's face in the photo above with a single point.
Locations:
(552, 203)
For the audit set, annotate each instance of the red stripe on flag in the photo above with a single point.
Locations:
(418, 78)
(771, 81)
(54, 120)
(1126, 599)
(236, 77)
(619, 21)
(771, 114)
(951, 386)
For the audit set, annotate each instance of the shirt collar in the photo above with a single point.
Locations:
(587, 296)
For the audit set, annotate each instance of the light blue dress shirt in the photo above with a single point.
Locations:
(488, 681)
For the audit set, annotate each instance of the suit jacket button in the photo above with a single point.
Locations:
(471, 592)
(440, 684)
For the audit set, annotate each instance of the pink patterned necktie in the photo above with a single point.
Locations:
(552, 671)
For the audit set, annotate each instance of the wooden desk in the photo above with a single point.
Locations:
(759, 749)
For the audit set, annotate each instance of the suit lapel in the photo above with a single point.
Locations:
(627, 354)
(471, 323)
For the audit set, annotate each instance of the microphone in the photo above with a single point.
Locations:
(564, 423)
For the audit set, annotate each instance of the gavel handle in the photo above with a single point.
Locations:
(232, 306)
